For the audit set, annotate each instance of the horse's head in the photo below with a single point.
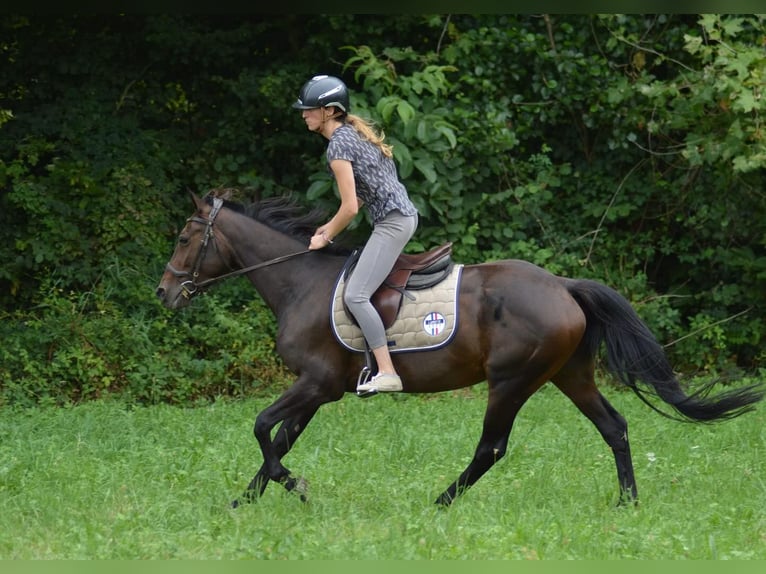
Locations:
(197, 259)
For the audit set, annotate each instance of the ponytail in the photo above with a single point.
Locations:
(366, 130)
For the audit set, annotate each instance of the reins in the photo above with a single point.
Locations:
(244, 270)
(190, 287)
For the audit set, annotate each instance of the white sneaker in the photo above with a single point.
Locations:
(382, 382)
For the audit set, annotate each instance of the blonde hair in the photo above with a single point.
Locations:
(366, 130)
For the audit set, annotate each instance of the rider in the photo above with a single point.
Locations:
(366, 175)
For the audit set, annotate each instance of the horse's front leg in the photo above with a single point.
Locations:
(288, 433)
(295, 408)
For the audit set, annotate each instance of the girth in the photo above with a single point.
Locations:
(409, 273)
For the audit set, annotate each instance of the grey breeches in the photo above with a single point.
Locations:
(387, 241)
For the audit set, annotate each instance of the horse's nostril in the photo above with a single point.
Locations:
(160, 293)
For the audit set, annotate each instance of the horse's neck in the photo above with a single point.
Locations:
(280, 283)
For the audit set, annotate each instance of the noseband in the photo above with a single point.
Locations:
(190, 287)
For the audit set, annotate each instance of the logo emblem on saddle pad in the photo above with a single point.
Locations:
(427, 318)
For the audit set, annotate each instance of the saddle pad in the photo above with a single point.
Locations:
(426, 323)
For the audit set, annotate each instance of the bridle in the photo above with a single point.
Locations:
(190, 287)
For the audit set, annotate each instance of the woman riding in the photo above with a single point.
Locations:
(366, 175)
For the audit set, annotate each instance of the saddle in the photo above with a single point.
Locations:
(411, 272)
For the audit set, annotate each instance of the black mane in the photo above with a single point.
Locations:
(281, 213)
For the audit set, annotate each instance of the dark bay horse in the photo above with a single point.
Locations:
(520, 327)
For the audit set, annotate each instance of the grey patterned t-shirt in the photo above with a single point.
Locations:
(377, 182)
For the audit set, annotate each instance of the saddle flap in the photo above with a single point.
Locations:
(387, 303)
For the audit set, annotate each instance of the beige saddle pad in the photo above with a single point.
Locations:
(427, 322)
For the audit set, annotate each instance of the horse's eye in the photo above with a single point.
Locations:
(183, 240)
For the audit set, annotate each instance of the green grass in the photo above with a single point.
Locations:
(107, 480)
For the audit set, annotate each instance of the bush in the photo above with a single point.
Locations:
(623, 148)
(116, 339)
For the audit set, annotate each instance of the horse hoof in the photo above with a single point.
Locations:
(302, 488)
(299, 486)
(248, 497)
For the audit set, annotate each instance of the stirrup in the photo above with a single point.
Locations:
(364, 375)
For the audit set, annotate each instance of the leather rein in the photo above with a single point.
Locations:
(191, 287)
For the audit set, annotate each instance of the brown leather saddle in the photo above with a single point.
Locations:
(411, 272)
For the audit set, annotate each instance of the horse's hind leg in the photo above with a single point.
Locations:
(503, 405)
(577, 382)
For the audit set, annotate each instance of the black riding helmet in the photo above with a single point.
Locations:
(322, 92)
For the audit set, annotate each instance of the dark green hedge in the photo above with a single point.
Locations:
(625, 148)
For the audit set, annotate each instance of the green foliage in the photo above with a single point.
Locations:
(713, 114)
(624, 148)
(113, 339)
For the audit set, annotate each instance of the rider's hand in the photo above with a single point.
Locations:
(319, 241)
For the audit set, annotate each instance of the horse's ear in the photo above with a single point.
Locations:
(198, 202)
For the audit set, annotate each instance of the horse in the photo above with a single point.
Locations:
(520, 327)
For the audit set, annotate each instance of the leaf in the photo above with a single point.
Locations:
(403, 158)
(744, 164)
(693, 43)
(745, 101)
(732, 26)
(448, 133)
(426, 167)
(406, 111)
(386, 107)
(318, 188)
(422, 131)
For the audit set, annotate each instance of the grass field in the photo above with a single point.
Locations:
(111, 481)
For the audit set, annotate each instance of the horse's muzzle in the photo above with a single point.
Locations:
(172, 298)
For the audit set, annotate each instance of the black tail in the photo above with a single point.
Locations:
(635, 356)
